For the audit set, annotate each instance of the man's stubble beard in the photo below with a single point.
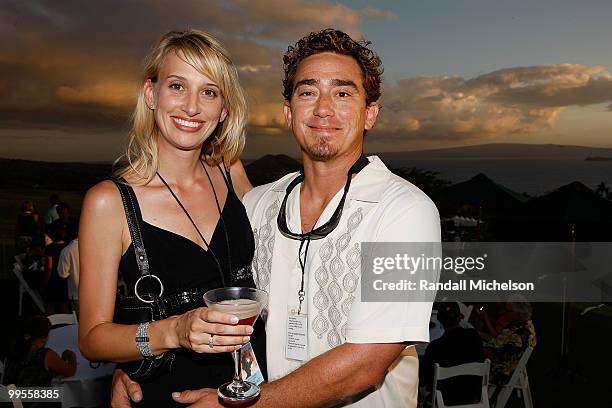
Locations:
(322, 149)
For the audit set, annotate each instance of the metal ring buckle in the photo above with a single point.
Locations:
(161, 287)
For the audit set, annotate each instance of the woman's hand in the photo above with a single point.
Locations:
(208, 331)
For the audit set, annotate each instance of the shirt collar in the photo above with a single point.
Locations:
(367, 186)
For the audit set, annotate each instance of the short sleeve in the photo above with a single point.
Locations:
(63, 265)
(393, 322)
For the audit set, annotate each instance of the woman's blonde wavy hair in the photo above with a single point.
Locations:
(206, 54)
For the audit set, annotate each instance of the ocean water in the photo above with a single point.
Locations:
(531, 175)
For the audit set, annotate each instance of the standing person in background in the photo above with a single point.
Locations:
(68, 265)
(27, 226)
(55, 292)
(51, 214)
(63, 213)
(182, 173)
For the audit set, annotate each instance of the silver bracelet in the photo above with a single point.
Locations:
(142, 340)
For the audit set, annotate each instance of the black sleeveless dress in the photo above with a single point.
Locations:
(183, 265)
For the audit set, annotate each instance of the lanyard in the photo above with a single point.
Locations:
(302, 293)
(319, 232)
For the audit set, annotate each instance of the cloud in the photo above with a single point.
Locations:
(289, 20)
(75, 65)
(380, 15)
(254, 68)
(80, 61)
(110, 94)
(507, 101)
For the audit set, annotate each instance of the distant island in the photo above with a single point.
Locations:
(505, 151)
(598, 158)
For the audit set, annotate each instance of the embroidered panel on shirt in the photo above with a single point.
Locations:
(242, 274)
(264, 246)
(337, 278)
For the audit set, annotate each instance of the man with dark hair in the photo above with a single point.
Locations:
(308, 227)
(458, 345)
(340, 43)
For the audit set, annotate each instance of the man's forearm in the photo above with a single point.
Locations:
(342, 372)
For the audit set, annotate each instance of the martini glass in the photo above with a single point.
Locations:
(246, 304)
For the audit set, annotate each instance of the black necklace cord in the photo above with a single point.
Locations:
(302, 293)
(208, 248)
(221, 219)
(325, 229)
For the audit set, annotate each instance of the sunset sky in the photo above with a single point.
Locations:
(457, 72)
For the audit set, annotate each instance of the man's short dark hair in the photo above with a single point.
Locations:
(330, 40)
(449, 314)
(61, 206)
(54, 199)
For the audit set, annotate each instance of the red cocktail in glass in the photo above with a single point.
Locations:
(246, 304)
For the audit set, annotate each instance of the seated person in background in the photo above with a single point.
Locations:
(30, 363)
(506, 339)
(458, 345)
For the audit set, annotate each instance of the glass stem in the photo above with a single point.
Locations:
(238, 366)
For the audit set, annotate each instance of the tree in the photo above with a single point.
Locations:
(603, 190)
(427, 180)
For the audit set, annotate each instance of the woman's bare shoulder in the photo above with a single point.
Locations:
(242, 184)
(102, 215)
(103, 197)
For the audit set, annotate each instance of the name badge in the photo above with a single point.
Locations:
(297, 337)
(250, 369)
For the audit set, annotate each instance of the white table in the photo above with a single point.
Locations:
(89, 385)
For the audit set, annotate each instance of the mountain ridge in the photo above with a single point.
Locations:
(504, 150)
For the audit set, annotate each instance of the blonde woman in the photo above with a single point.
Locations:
(181, 165)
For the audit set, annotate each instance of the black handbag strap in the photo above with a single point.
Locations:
(129, 205)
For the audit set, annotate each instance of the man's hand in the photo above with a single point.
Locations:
(124, 390)
(205, 397)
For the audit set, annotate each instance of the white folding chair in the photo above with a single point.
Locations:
(24, 287)
(478, 369)
(466, 311)
(63, 319)
(518, 381)
(4, 395)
